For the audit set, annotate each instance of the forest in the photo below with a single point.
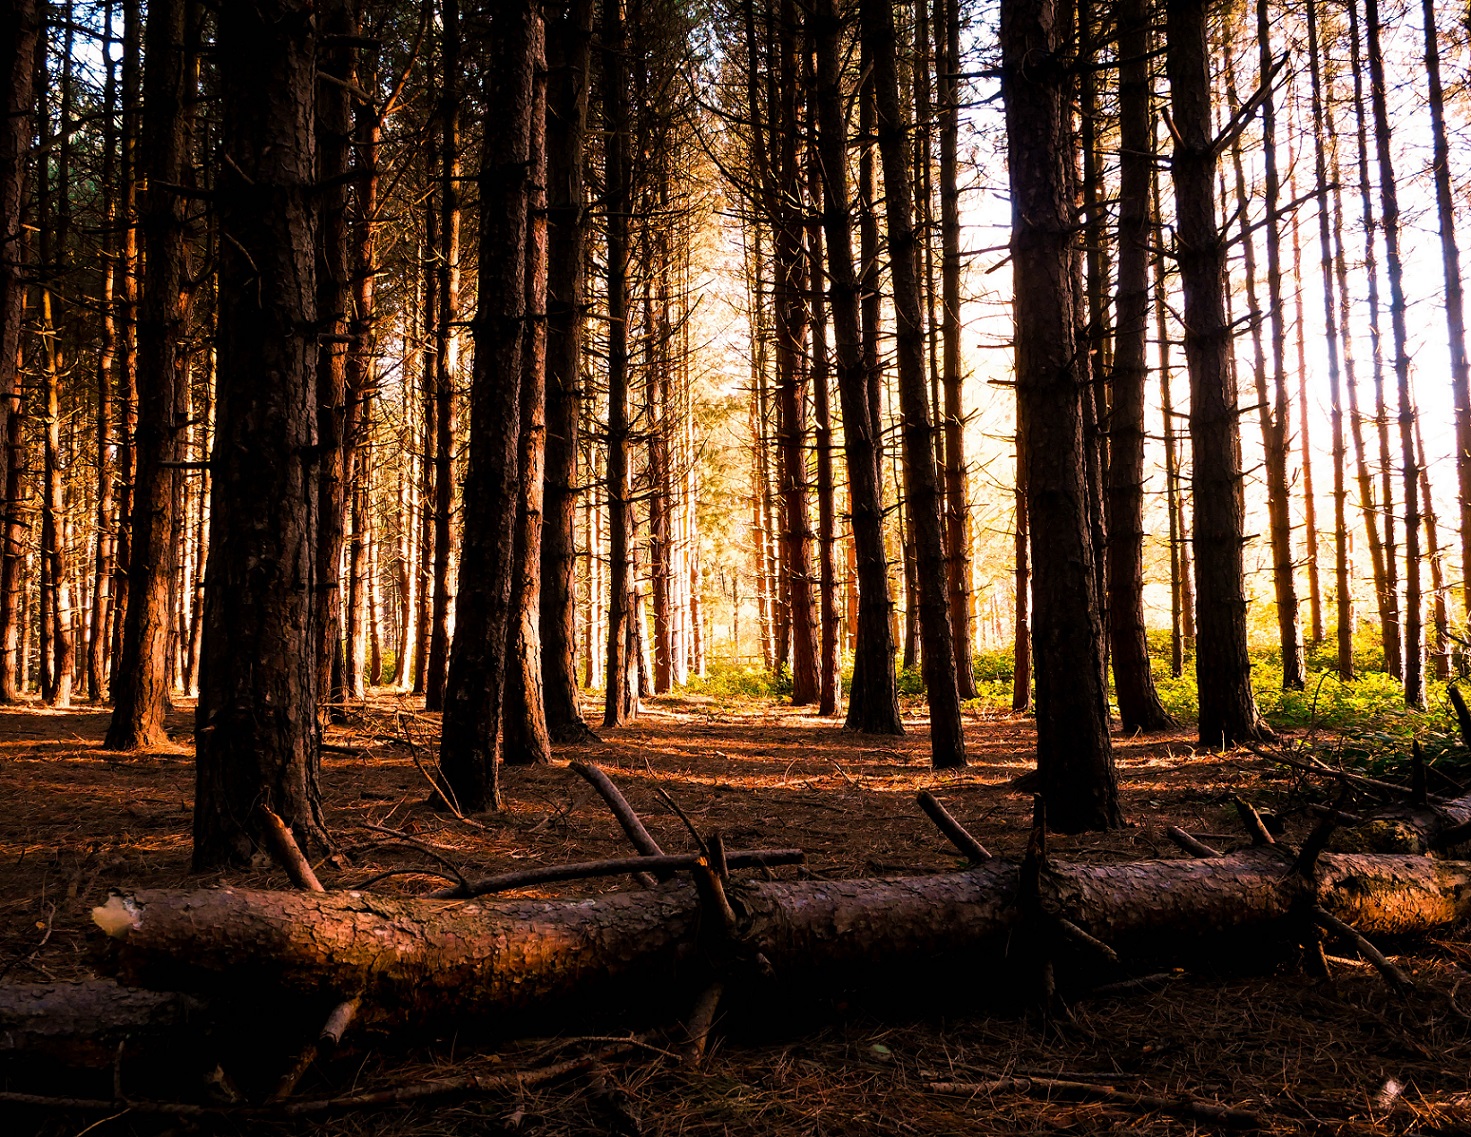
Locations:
(742, 567)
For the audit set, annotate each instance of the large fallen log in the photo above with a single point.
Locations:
(417, 959)
(84, 1022)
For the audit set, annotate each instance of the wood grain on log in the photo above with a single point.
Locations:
(419, 959)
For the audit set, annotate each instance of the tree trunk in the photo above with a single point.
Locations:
(142, 680)
(105, 535)
(1455, 309)
(446, 356)
(1276, 427)
(1228, 713)
(873, 700)
(620, 700)
(1021, 644)
(1343, 591)
(526, 739)
(126, 394)
(256, 733)
(1139, 705)
(1386, 569)
(957, 493)
(475, 686)
(339, 19)
(1389, 202)
(921, 483)
(20, 29)
(1074, 753)
(822, 416)
(569, 43)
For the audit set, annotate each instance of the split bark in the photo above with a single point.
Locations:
(436, 959)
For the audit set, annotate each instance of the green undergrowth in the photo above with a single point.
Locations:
(1363, 722)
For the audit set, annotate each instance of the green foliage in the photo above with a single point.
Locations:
(726, 680)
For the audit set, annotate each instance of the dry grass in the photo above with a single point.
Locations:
(1308, 1057)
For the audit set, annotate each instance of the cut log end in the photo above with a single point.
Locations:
(119, 916)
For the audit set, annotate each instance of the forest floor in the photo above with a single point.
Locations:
(1343, 1056)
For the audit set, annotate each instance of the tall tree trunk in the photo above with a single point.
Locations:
(360, 386)
(569, 43)
(1304, 436)
(475, 686)
(873, 700)
(791, 341)
(338, 65)
(256, 733)
(1276, 426)
(446, 355)
(105, 535)
(20, 29)
(1386, 569)
(1074, 752)
(142, 682)
(1322, 127)
(527, 741)
(1228, 712)
(921, 482)
(1455, 305)
(1389, 204)
(620, 699)
(126, 394)
(428, 441)
(822, 417)
(957, 494)
(1139, 705)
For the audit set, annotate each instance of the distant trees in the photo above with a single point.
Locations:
(493, 355)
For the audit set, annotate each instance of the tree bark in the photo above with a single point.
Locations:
(1343, 592)
(1455, 305)
(428, 960)
(1276, 426)
(921, 483)
(873, 700)
(1074, 752)
(957, 493)
(475, 686)
(527, 741)
(256, 731)
(142, 682)
(569, 43)
(1389, 203)
(1228, 712)
(620, 698)
(20, 29)
(1386, 569)
(446, 355)
(1139, 704)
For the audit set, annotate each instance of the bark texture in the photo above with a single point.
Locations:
(142, 679)
(873, 701)
(256, 731)
(1228, 712)
(475, 686)
(569, 42)
(442, 960)
(922, 489)
(1074, 752)
(1139, 704)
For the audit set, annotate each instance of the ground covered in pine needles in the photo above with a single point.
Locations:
(1345, 1056)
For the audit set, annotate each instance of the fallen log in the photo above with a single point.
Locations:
(416, 959)
(82, 1023)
